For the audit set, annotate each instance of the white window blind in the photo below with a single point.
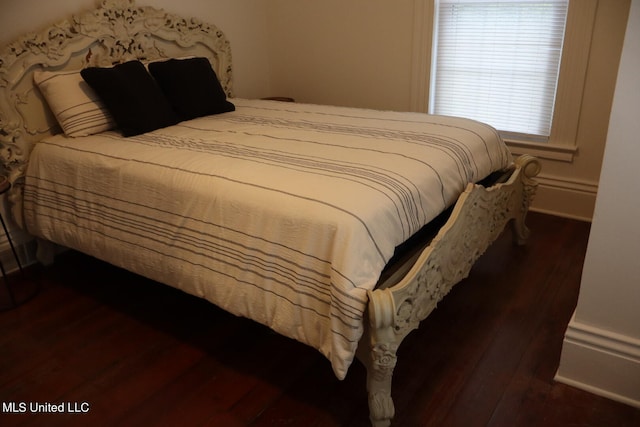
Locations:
(497, 61)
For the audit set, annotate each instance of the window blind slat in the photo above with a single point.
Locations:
(498, 60)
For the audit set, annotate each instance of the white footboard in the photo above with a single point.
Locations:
(395, 309)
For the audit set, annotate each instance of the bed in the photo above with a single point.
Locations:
(339, 227)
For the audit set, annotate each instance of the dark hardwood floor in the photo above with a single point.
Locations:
(143, 354)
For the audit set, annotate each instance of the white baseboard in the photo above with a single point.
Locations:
(601, 362)
(564, 197)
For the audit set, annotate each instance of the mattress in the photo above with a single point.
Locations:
(284, 213)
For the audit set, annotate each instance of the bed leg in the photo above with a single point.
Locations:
(379, 357)
(379, 377)
(520, 231)
(380, 362)
(530, 167)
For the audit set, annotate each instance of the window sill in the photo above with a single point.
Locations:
(563, 153)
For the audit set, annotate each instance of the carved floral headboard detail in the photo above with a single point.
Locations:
(116, 32)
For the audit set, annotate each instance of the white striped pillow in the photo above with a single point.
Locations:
(76, 106)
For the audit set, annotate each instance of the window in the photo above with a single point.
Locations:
(498, 61)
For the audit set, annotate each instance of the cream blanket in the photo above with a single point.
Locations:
(284, 213)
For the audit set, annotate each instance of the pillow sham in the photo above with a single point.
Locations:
(132, 97)
(77, 108)
(191, 86)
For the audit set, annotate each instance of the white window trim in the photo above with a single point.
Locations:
(562, 144)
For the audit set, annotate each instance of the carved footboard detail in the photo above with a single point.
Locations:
(480, 215)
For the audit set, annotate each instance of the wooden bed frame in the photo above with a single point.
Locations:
(119, 31)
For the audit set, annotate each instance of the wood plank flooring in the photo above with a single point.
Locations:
(143, 354)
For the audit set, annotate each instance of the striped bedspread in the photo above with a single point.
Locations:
(281, 212)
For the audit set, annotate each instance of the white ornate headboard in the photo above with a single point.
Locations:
(115, 32)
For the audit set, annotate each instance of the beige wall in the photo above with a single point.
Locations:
(570, 187)
(353, 53)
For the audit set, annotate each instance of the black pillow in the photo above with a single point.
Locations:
(132, 97)
(191, 86)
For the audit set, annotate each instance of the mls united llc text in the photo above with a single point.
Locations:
(45, 407)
